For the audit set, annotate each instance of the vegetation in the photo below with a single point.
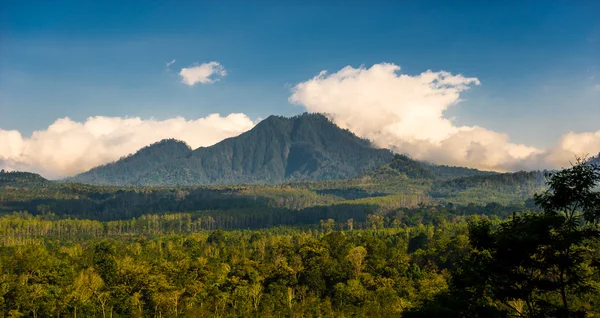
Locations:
(285, 204)
(17, 179)
(342, 251)
(535, 264)
(142, 162)
(421, 261)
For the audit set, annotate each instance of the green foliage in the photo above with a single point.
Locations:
(330, 248)
(19, 179)
(573, 193)
(267, 273)
(534, 264)
(503, 188)
(258, 206)
(450, 172)
(402, 166)
(144, 161)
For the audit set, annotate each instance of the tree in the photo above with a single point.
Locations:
(356, 257)
(574, 199)
(534, 264)
(86, 286)
(572, 193)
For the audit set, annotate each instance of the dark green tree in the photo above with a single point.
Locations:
(535, 264)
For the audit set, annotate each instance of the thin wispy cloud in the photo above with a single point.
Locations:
(206, 73)
(170, 63)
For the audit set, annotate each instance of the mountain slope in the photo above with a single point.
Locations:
(451, 172)
(404, 167)
(523, 184)
(143, 161)
(305, 147)
(22, 179)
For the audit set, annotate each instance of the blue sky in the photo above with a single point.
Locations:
(538, 61)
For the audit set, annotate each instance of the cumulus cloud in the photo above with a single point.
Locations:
(569, 146)
(68, 147)
(205, 73)
(406, 113)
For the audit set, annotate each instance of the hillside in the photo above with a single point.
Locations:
(22, 179)
(278, 149)
(142, 162)
(404, 166)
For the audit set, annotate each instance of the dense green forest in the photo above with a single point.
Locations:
(336, 248)
(400, 184)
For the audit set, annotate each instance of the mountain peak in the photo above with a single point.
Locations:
(278, 149)
(170, 144)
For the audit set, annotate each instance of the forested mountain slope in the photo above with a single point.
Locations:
(403, 165)
(305, 147)
(142, 162)
(21, 179)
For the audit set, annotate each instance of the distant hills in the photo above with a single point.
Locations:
(285, 171)
(143, 162)
(278, 149)
(308, 147)
(20, 179)
(402, 165)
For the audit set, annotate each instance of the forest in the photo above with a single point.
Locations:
(307, 249)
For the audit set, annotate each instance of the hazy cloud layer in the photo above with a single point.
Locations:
(406, 113)
(68, 147)
(205, 73)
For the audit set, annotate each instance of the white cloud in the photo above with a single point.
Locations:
(205, 73)
(68, 147)
(406, 113)
(170, 63)
(573, 145)
(398, 111)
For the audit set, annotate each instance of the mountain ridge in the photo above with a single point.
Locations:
(304, 147)
(163, 151)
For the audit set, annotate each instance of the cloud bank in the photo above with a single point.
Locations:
(406, 113)
(206, 73)
(398, 111)
(68, 147)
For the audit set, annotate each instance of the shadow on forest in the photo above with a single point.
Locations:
(229, 207)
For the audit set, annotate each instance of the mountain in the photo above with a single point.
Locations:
(401, 166)
(404, 166)
(305, 147)
(451, 172)
(142, 162)
(22, 179)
